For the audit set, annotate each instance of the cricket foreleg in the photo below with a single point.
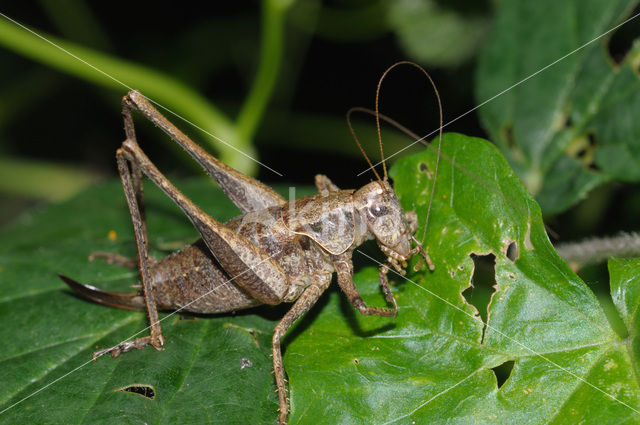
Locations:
(384, 284)
(344, 268)
(301, 306)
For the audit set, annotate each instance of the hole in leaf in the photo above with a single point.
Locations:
(146, 391)
(483, 284)
(186, 317)
(512, 251)
(424, 168)
(503, 372)
(622, 40)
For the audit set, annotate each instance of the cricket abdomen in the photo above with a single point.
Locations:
(192, 280)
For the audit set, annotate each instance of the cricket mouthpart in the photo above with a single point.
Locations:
(397, 256)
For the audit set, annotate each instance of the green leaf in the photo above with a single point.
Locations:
(431, 364)
(625, 291)
(436, 35)
(569, 128)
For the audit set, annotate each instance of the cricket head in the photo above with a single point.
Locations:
(378, 207)
(378, 204)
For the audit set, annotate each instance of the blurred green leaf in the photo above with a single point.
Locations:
(431, 364)
(428, 32)
(43, 180)
(272, 40)
(337, 22)
(570, 128)
(435, 35)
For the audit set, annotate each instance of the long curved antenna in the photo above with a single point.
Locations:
(353, 134)
(377, 115)
(387, 119)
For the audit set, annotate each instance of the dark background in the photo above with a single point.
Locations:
(334, 52)
(58, 118)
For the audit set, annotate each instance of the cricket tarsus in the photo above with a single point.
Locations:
(276, 251)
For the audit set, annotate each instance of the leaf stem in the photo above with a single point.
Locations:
(272, 41)
(598, 250)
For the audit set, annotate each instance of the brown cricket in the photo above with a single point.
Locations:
(276, 251)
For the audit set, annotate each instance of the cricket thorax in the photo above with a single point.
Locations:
(327, 219)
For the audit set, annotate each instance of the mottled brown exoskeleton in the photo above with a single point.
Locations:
(276, 251)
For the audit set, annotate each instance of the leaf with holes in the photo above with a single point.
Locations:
(571, 127)
(433, 363)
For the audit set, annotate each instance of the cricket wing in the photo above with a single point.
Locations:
(247, 193)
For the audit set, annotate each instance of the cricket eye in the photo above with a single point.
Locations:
(378, 210)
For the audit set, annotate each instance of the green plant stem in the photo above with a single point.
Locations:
(163, 89)
(599, 250)
(272, 41)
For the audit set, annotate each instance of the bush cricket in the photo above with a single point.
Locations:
(276, 251)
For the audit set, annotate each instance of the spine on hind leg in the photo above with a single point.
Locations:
(127, 301)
